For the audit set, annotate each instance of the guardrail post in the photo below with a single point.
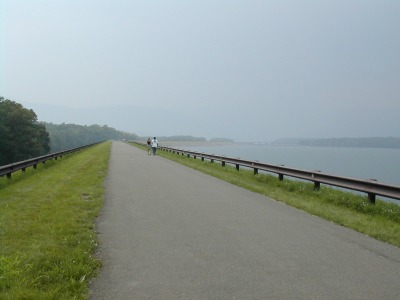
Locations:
(223, 163)
(371, 198)
(202, 159)
(280, 177)
(212, 160)
(255, 171)
(317, 185)
(237, 167)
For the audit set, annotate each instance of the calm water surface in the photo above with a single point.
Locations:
(363, 163)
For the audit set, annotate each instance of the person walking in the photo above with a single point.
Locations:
(148, 146)
(154, 145)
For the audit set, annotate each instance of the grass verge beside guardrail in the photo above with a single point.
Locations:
(381, 221)
(47, 236)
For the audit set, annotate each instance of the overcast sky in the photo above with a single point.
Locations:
(249, 70)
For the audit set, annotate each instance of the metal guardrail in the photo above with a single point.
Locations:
(7, 170)
(371, 186)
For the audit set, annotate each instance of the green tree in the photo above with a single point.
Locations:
(21, 135)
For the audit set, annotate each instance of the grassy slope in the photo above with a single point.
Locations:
(381, 221)
(46, 227)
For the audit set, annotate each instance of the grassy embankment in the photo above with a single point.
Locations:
(381, 221)
(47, 236)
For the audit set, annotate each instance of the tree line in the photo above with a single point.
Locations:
(373, 142)
(65, 136)
(23, 137)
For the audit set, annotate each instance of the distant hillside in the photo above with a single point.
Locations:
(222, 140)
(129, 118)
(373, 142)
(189, 138)
(66, 136)
(290, 141)
(182, 138)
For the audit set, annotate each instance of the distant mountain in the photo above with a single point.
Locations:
(143, 121)
(290, 141)
(66, 136)
(373, 142)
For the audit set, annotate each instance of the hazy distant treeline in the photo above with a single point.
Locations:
(22, 136)
(66, 136)
(181, 138)
(374, 142)
(189, 138)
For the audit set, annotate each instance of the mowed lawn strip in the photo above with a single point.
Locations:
(380, 221)
(47, 236)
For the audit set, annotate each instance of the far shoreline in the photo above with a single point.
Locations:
(173, 144)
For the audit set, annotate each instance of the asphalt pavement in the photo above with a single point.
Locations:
(170, 232)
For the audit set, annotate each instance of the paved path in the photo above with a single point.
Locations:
(170, 232)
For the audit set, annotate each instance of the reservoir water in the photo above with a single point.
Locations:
(362, 163)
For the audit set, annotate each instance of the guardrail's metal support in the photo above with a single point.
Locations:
(280, 177)
(255, 171)
(371, 198)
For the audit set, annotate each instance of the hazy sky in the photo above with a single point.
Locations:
(248, 70)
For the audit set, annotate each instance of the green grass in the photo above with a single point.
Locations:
(47, 237)
(380, 221)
